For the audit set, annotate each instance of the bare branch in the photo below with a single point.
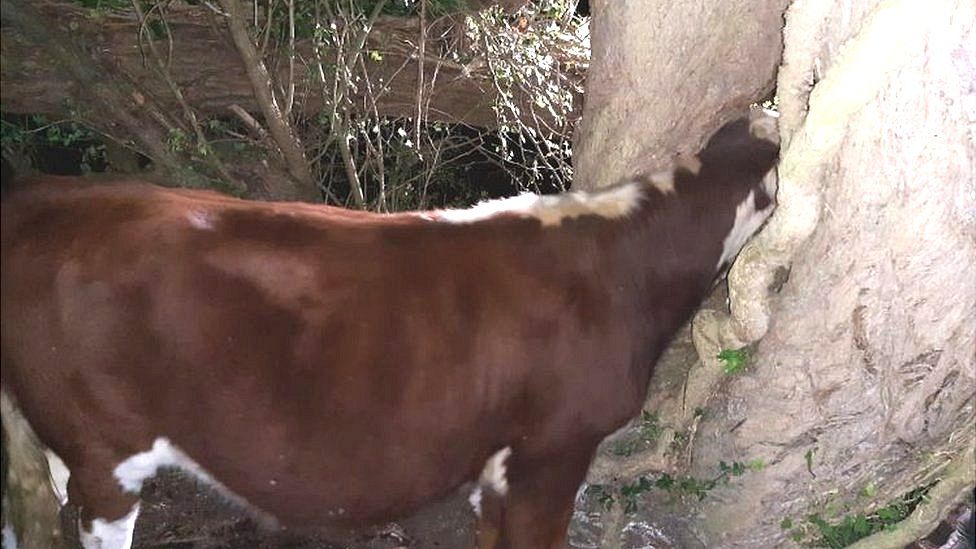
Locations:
(279, 128)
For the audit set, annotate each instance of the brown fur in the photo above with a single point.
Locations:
(361, 362)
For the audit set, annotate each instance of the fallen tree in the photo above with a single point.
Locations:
(202, 61)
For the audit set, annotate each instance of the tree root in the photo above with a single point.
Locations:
(956, 483)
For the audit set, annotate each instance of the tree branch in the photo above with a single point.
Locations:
(204, 64)
(279, 128)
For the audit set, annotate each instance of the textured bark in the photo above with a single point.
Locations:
(131, 113)
(665, 75)
(868, 356)
(30, 506)
(207, 68)
(859, 297)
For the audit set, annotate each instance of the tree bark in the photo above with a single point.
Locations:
(664, 75)
(206, 66)
(130, 110)
(867, 364)
(858, 298)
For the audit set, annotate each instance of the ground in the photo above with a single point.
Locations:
(179, 513)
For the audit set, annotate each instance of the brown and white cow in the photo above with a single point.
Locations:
(324, 367)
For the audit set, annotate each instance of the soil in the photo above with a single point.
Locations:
(179, 513)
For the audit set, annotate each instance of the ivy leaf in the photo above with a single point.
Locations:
(734, 360)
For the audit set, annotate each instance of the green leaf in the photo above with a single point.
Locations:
(756, 464)
(664, 482)
(734, 360)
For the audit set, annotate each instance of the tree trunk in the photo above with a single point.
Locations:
(665, 75)
(859, 297)
(868, 363)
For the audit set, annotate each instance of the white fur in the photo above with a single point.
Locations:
(492, 477)
(116, 534)
(201, 219)
(9, 537)
(475, 500)
(551, 210)
(747, 221)
(663, 180)
(133, 471)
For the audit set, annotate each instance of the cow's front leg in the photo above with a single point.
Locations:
(527, 502)
(108, 509)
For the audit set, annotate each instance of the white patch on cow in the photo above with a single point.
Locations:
(134, 470)
(116, 534)
(747, 221)
(9, 537)
(59, 476)
(663, 181)
(475, 500)
(201, 219)
(611, 203)
(493, 475)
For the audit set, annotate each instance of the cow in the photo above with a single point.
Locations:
(330, 368)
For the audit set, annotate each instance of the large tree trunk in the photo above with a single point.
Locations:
(868, 362)
(664, 75)
(862, 385)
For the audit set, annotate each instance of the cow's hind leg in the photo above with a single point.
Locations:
(528, 502)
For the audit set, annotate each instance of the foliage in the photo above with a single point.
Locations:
(808, 457)
(734, 360)
(391, 164)
(531, 60)
(602, 494)
(25, 136)
(310, 15)
(845, 530)
(629, 494)
(358, 155)
(648, 430)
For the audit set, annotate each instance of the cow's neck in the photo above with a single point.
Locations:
(667, 263)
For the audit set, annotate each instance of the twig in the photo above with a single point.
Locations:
(278, 126)
(350, 164)
(249, 121)
(291, 59)
(422, 47)
(191, 117)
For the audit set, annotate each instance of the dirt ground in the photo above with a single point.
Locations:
(179, 513)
